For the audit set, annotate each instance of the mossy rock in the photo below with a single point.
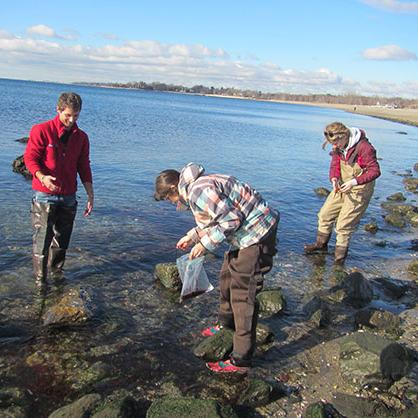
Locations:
(399, 208)
(189, 407)
(413, 219)
(18, 166)
(322, 191)
(264, 335)
(411, 184)
(416, 167)
(396, 197)
(217, 347)
(257, 393)
(371, 227)
(395, 220)
(271, 302)
(168, 275)
(413, 268)
(321, 410)
(80, 408)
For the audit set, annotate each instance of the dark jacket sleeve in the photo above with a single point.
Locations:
(35, 150)
(368, 162)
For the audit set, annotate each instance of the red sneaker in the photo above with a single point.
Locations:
(226, 367)
(212, 330)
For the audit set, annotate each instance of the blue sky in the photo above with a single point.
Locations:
(324, 46)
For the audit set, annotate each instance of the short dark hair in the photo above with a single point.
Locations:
(71, 100)
(164, 183)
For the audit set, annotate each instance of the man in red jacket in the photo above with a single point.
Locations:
(57, 150)
(353, 171)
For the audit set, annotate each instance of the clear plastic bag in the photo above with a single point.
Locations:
(193, 276)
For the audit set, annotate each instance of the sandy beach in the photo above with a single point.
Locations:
(405, 116)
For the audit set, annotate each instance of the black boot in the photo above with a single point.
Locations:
(320, 245)
(340, 254)
(56, 263)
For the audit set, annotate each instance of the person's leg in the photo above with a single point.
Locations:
(63, 228)
(225, 316)
(43, 218)
(354, 206)
(326, 218)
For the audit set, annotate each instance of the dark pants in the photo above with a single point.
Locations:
(52, 222)
(241, 278)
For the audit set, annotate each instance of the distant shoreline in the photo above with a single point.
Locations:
(404, 116)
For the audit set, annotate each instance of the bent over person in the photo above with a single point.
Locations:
(226, 209)
(57, 150)
(353, 171)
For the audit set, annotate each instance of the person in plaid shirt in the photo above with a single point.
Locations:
(227, 210)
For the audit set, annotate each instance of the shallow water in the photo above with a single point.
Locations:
(140, 332)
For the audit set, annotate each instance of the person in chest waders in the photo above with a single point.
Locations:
(353, 171)
(57, 151)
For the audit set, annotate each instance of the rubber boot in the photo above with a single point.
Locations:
(41, 214)
(340, 254)
(320, 245)
(62, 233)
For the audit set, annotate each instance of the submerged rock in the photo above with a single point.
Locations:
(189, 407)
(81, 408)
(14, 403)
(393, 288)
(23, 140)
(399, 208)
(120, 404)
(74, 308)
(395, 220)
(321, 410)
(271, 302)
(416, 166)
(318, 312)
(413, 268)
(168, 275)
(19, 167)
(396, 197)
(322, 191)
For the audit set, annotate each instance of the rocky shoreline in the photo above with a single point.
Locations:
(352, 352)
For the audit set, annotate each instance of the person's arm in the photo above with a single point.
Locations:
(90, 198)
(368, 162)
(334, 169)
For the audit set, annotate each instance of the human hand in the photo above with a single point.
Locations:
(184, 243)
(348, 185)
(197, 251)
(335, 185)
(48, 182)
(89, 206)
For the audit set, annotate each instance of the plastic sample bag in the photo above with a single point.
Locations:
(193, 276)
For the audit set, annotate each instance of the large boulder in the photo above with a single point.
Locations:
(74, 308)
(189, 407)
(168, 275)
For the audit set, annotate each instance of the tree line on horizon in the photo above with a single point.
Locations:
(347, 99)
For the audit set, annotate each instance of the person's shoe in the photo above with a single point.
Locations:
(212, 330)
(226, 367)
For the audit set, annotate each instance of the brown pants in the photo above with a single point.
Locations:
(241, 277)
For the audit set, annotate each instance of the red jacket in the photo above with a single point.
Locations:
(46, 153)
(364, 154)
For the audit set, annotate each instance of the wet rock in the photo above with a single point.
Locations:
(74, 308)
(356, 407)
(399, 208)
(413, 220)
(406, 388)
(371, 227)
(321, 410)
(363, 356)
(407, 173)
(271, 302)
(168, 275)
(375, 318)
(257, 393)
(120, 404)
(411, 184)
(322, 191)
(264, 335)
(354, 290)
(189, 407)
(381, 244)
(81, 408)
(413, 268)
(416, 167)
(402, 133)
(18, 166)
(393, 288)
(14, 403)
(84, 377)
(395, 220)
(396, 197)
(23, 140)
(217, 347)
(318, 312)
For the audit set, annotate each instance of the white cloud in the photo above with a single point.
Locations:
(146, 60)
(47, 31)
(394, 5)
(389, 53)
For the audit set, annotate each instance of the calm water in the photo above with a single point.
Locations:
(134, 135)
